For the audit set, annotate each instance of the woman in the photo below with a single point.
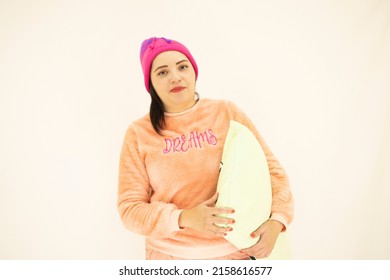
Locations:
(169, 166)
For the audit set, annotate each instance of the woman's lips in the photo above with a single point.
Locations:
(177, 89)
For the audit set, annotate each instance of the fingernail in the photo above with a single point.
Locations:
(233, 221)
(224, 234)
(233, 211)
(230, 229)
(253, 235)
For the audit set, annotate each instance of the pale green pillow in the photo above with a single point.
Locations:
(244, 184)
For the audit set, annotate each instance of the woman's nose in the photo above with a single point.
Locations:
(175, 77)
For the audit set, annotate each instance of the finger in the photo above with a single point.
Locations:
(216, 233)
(223, 221)
(261, 254)
(220, 231)
(221, 211)
(249, 251)
(257, 251)
(257, 233)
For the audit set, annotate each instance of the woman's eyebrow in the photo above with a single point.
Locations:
(177, 63)
(184, 60)
(162, 66)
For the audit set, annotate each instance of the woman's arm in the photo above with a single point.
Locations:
(138, 214)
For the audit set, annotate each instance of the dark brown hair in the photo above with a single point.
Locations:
(156, 111)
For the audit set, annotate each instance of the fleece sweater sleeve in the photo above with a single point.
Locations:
(138, 214)
(282, 208)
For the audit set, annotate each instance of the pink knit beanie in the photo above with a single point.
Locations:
(152, 47)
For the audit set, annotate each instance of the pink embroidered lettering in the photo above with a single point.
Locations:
(212, 140)
(195, 140)
(192, 141)
(168, 146)
(176, 144)
(200, 138)
(184, 142)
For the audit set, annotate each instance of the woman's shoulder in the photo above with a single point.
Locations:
(217, 102)
(141, 122)
(140, 126)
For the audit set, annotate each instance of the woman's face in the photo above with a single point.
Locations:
(173, 78)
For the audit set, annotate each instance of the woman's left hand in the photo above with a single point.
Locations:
(268, 232)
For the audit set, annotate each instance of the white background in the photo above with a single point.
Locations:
(314, 76)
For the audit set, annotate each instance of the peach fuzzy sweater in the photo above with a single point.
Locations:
(161, 175)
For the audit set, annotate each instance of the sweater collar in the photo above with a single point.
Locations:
(193, 108)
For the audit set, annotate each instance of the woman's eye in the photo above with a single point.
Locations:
(183, 67)
(162, 73)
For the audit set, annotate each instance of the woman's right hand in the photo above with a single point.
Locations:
(204, 218)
